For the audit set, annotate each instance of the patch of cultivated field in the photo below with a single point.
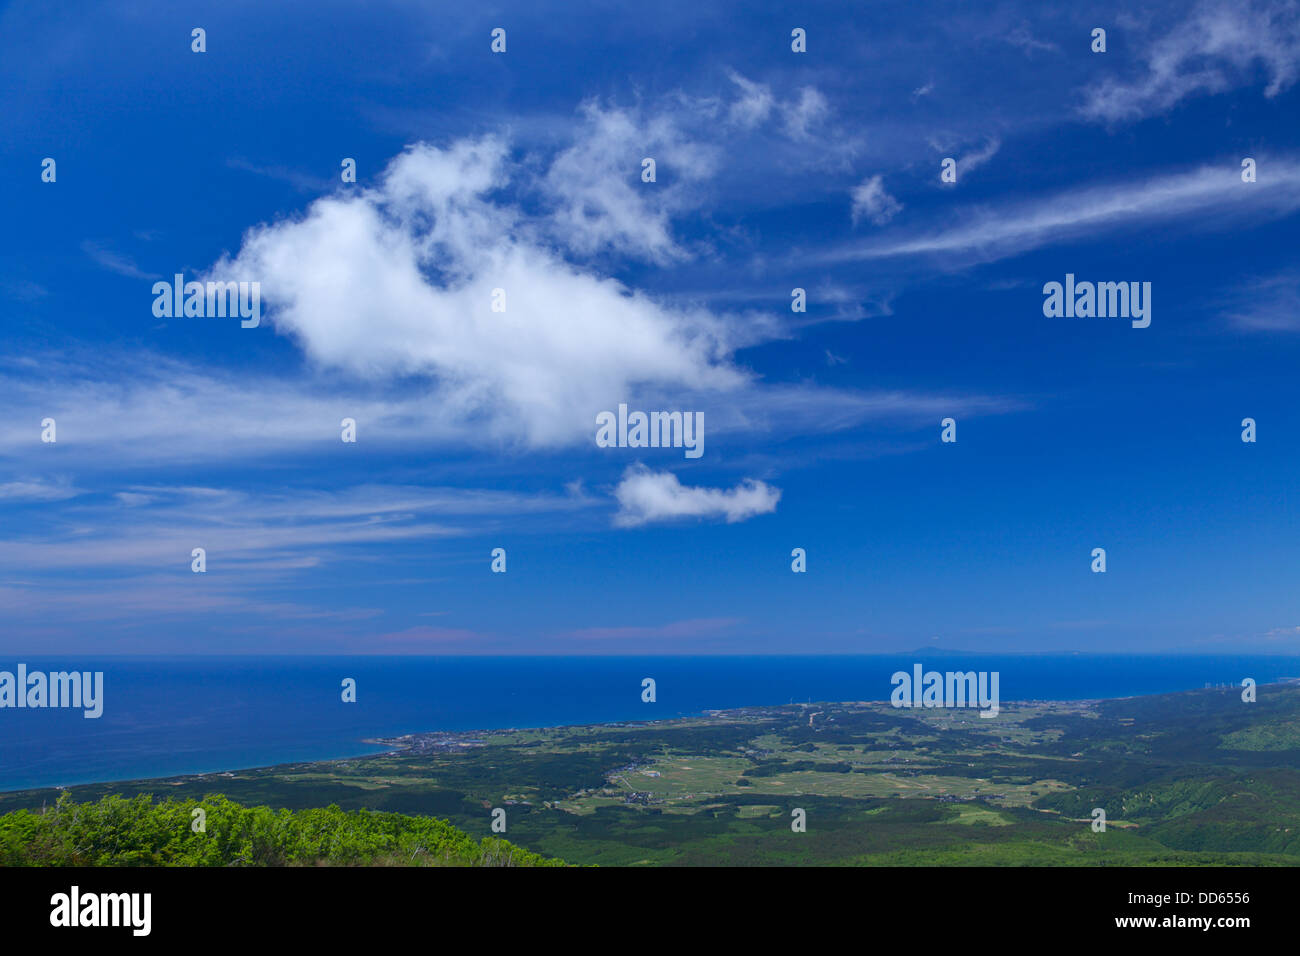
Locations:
(1022, 795)
(690, 777)
(865, 785)
(968, 813)
(587, 804)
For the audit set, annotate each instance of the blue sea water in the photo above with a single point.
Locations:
(191, 715)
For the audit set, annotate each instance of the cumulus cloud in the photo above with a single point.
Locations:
(870, 200)
(595, 188)
(645, 496)
(399, 279)
(392, 286)
(396, 283)
(1215, 49)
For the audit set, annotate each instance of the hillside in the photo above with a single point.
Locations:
(140, 832)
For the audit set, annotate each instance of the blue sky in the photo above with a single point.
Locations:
(775, 170)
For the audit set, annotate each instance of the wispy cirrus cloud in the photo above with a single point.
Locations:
(754, 104)
(1212, 195)
(156, 527)
(38, 489)
(1022, 37)
(299, 180)
(121, 602)
(805, 114)
(968, 162)
(115, 262)
(674, 630)
(23, 290)
(150, 410)
(1265, 304)
(1289, 634)
(1216, 48)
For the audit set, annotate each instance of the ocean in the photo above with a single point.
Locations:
(163, 717)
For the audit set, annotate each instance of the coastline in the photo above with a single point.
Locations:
(452, 741)
(373, 745)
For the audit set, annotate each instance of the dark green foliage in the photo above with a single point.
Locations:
(139, 832)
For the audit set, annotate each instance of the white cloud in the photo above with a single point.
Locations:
(391, 285)
(37, 489)
(149, 408)
(23, 290)
(115, 262)
(872, 201)
(399, 280)
(127, 411)
(754, 104)
(599, 200)
(974, 160)
(1266, 304)
(805, 113)
(302, 182)
(152, 528)
(1210, 194)
(645, 496)
(132, 498)
(1023, 38)
(1213, 50)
